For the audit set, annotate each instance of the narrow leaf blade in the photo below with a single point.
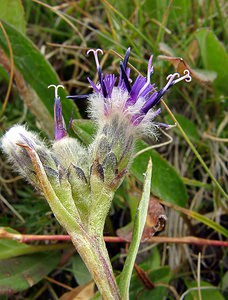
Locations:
(139, 223)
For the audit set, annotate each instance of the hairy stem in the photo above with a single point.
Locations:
(95, 256)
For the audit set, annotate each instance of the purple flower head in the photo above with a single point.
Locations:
(60, 128)
(134, 100)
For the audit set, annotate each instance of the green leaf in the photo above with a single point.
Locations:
(166, 183)
(37, 73)
(214, 56)
(153, 261)
(10, 248)
(18, 274)
(188, 126)
(156, 275)
(139, 223)
(81, 273)
(207, 291)
(224, 283)
(3, 75)
(12, 11)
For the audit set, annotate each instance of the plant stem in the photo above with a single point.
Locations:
(95, 256)
(100, 206)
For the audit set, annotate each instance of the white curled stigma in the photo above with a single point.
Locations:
(56, 87)
(186, 77)
(95, 53)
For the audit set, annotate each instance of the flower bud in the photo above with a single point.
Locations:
(112, 149)
(17, 155)
(69, 151)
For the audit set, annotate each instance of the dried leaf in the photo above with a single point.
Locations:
(180, 65)
(82, 292)
(155, 222)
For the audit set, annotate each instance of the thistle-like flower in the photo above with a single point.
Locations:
(123, 111)
(133, 102)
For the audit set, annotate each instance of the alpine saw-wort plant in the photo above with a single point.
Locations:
(79, 182)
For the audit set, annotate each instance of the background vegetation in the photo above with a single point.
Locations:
(44, 43)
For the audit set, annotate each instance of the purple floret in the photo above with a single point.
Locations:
(60, 130)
